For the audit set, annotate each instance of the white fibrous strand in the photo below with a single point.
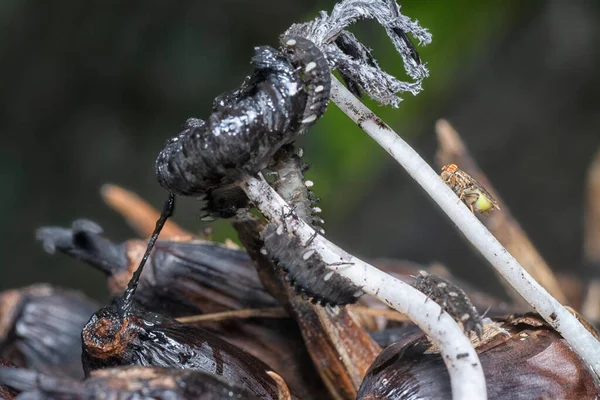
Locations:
(466, 374)
(379, 85)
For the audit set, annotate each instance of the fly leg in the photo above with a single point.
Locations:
(470, 197)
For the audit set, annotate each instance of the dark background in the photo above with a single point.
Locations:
(91, 91)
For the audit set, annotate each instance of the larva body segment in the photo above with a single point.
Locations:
(307, 271)
(452, 299)
(314, 68)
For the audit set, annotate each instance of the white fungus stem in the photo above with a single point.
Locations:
(581, 340)
(466, 375)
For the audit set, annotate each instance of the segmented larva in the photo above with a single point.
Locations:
(313, 66)
(286, 94)
(451, 299)
(306, 270)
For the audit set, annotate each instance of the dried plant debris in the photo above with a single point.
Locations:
(125, 383)
(452, 299)
(116, 337)
(122, 334)
(84, 241)
(40, 328)
(354, 61)
(523, 359)
(306, 271)
(181, 278)
(140, 215)
(341, 350)
(197, 277)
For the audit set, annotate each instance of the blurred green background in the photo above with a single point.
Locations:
(91, 91)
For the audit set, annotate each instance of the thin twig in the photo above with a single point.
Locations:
(274, 312)
(390, 315)
(279, 312)
(464, 367)
(138, 213)
(551, 310)
(501, 222)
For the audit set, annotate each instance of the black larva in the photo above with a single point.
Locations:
(306, 271)
(451, 299)
(286, 94)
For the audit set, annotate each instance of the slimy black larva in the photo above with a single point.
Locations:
(306, 270)
(451, 299)
(286, 94)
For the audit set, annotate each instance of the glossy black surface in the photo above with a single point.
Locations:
(116, 337)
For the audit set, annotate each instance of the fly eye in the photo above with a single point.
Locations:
(449, 168)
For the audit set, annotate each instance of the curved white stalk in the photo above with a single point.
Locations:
(464, 367)
(549, 308)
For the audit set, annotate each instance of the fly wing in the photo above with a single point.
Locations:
(470, 181)
(485, 193)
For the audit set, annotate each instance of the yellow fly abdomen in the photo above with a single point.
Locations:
(483, 203)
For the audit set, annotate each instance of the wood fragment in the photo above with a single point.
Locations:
(140, 215)
(279, 312)
(388, 313)
(341, 350)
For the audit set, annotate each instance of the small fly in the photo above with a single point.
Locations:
(468, 190)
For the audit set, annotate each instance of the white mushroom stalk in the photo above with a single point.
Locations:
(466, 374)
(580, 339)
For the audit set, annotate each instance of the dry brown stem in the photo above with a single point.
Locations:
(275, 312)
(140, 215)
